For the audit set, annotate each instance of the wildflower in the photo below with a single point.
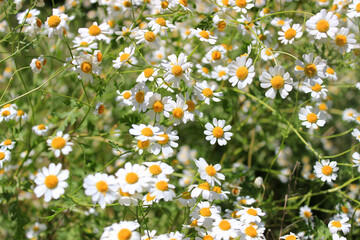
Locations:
(204, 71)
(177, 68)
(146, 132)
(219, 23)
(208, 172)
(35, 230)
(312, 69)
(279, 22)
(84, 44)
(95, 32)
(349, 114)
(37, 64)
(51, 182)
(21, 115)
(147, 37)
(218, 132)
(148, 74)
(205, 92)
(353, 9)
(124, 57)
(356, 134)
(306, 213)
(268, 53)
(242, 6)
(178, 110)
(156, 105)
(290, 33)
(326, 170)
(8, 144)
(343, 41)
(40, 130)
(56, 23)
(252, 232)
(124, 98)
(127, 199)
(158, 169)
(202, 189)
(290, 236)
(220, 73)
(159, 24)
(277, 80)
(331, 74)
(323, 24)
(122, 230)
(140, 97)
(85, 67)
(311, 119)
(133, 178)
(162, 189)
(204, 36)
(60, 144)
(249, 215)
(317, 91)
(27, 16)
(5, 155)
(166, 146)
(241, 71)
(101, 187)
(205, 214)
(356, 160)
(99, 109)
(336, 226)
(216, 55)
(226, 228)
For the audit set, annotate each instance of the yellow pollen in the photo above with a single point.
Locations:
(164, 4)
(140, 96)
(340, 40)
(204, 186)
(38, 23)
(20, 113)
(58, 143)
(162, 186)
(242, 73)
(277, 82)
(147, 132)
(41, 127)
(84, 44)
(290, 33)
(291, 237)
(86, 67)
(7, 142)
(158, 106)
(281, 22)
(54, 21)
(205, 70)
(266, 10)
(216, 189)
(241, 3)
(178, 113)
(166, 139)
(131, 178)
(127, 95)
(102, 186)
(5, 113)
(183, 2)
(161, 21)
(210, 170)
(268, 51)
(310, 70)
(191, 105)
(194, 223)
(99, 56)
(94, 30)
(252, 212)
(149, 197)
(149, 36)
(316, 87)
(124, 57)
(329, 70)
(216, 55)
(251, 231)
(124, 234)
(143, 144)
(207, 92)
(208, 237)
(177, 70)
(344, 209)
(2, 155)
(204, 34)
(336, 224)
(224, 225)
(38, 64)
(155, 169)
(51, 181)
(322, 26)
(234, 214)
(312, 118)
(205, 212)
(148, 72)
(327, 170)
(185, 195)
(222, 73)
(322, 106)
(218, 132)
(111, 23)
(36, 228)
(225, 2)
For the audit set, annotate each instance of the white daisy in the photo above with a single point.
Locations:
(241, 6)
(343, 41)
(84, 44)
(323, 24)
(203, 190)
(241, 71)
(99, 109)
(96, 32)
(349, 114)
(205, 92)
(37, 64)
(159, 169)
(140, 97)
(159, 24)
(122, 230)
(40, 130)
(166, 146)
(204, 36)
(8, 144)
(205, 214)
(133, 178)
(5, 155)
(252, 232)
(356, 160)
(356, 134)
(218, 132)
(268, 53)
(146, 132)
(277, 80)
(216, 55)
(147, 37)
(56, 23)
(21, 115)
(124, 57)
(290, 236)
(226, 228)
(209, 173)
(331, 74)
(148, 74)
(312, 69)
(249, 215)
(317, 91)
(156, 106)
(60, 144)
(161, 189)
(220, 73)
(85, 66)
(337, 226)
(290, 33)
(312, 118)
(326, 170)
(177, 68)
(27, 16)
(354, 9)
(124, 98)
(178, 110)
(306, 213)
(127, 199)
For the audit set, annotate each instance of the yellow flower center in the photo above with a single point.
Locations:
(2, 155)
(85, 44)
(99, 56)
(217, 189)
(310, 70)
(322, 26)
(327, 170)
(312, 118)
(191, 105)
(234, 214)
(54, 21)
(155, 169)
(143, 144)
(5, 113)
(344, 209)
(51, 181)
(281, 22)
(358, 7)
(291, 237)
(277, 82)
(149, 197)
(147, 132)
(124, 234)
(340, 40)
(262, 37)
(131, 178)
(101, 109)
(307, 214)
(124, 194)
(216, 55)
(241, 3)
(205, 212)
(158, 106)
(322, 106)
(316, 87)
(148, 72)
(336, 224)
(207, 92)
(210, 170)
(102, 186)
(329, 70)
(127, 4)
(140, 96)
(252, 212)
(127, 95)
(38, 23)
(166, 139)
(149, 36)
(111, 22)
(242, 73)
(222, 73)
(177, 70)
(225, 2)
(185, 195)
(251, 231)
(58, 143)
(224, 225)
(290, 33)
(164, 4)
(36, 228)
(41, 127)
(204, 186)
(205, 70)
(178, 113)
(124, 57)
(183, 2)
(161, 21)
(218, 132)
(162, 186)
(94, 30)
(38, 64)
(208, 237)
(221, 26)
(86, 67)
(7, 142)
(204, 34)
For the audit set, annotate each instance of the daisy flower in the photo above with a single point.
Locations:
(147, 37)
(208, 172)
(354, 9)
(241, 6)
(159, 169)
(37, 64)
(219, 23)
(215, 55)
(178, 110)
(326, 170)
(127, 199)
(204, 71)
(203, 190)
(277, 80)
(241, 71)
(246, 200)
(205, 92)
(252, 232)
(356, 160)
(21, 115)
(149, 199)
(146, 132)
(323, 24)
(217, 193)
(85, 67)
(162, 189)
(95, 32)
(133, 178)
(142, 145)
(312, 69)
(148, 74)
(264, 36)
(156, 106)
(205, 214)
(279, 22)
(349, 114)
(220, 73)
(356, 134)
(122, 230)
(192, 103)
(226, 228)
(186, 200)
(27, 16)
(35, 230)
(289, 34)
(249, 215)
(140, 99)
(51, 182)
(5, 155)
(204, 36)
(124, 56)
(306, 213)
(123, 98)
(317, 91)
(7, 114)
(60, 144)
(343, 41)
(177, 68)
(218, 132)
(84, 44)
(56, 23)
(268, 53)
(290, 236)
(101, 187)
(337, 226)
(159, 24)
(8, 144)
(40, 130)
(312, 119)
(166, 146)
(331, 74)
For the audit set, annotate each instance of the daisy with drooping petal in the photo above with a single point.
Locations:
(56, 23)
(140, 99)
(51, 182)
(133, 178)
(356, 134)
(218, 132)
(166, 146)
(209, 173)
(140, 146)
(312, 119)
(326, 170)
(343, 41)
(205, 92)
(147, 37)
(146, 132)
(317, 91)
(177, 68)
(337, 226)
(162, 189)
(178, 110)
(27, 16)
(148, 74)
(96, 32)
(101, 187)
(312, 69)
(226, 228)
(277, 80)
(323, 24)
(203, 190)
(124, 57)
(217, 193)
(37, 64)
(84, 44)
(290, 33)
(249, 215)
(5, 155)
(241, 6)
(157, 106)
(241, 71)
(60, 144)
(85, 66)
(40, 130)
(216, 55)
(99, 109)
(354, 9)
